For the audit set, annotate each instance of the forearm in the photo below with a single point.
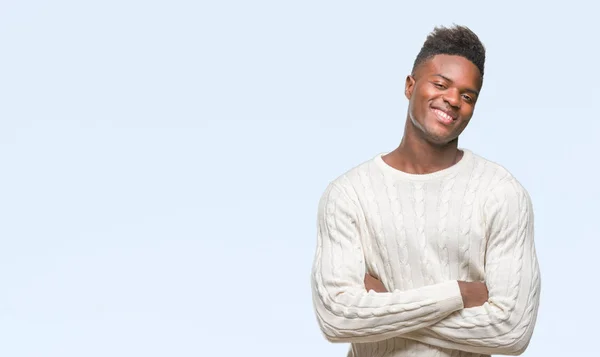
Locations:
(353, 315)
(488, 329)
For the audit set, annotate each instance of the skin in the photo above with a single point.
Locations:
(450, 84)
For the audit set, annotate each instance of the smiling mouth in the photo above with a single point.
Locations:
(443, 116)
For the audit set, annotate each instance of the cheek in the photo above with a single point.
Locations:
(465, 122)
(421, 109)
(467, 112)
(421, 99)
(414, 103)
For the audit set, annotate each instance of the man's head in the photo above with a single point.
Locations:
(444, 84)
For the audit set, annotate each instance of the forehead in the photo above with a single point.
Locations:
(457, 68)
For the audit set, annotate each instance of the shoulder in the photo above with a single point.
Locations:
(497, 178)
(355, 178)
(501, 190)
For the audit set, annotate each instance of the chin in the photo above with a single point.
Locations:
(434, 132)
(438, 141)
(439, 138)
(435, 135)
(440, 133)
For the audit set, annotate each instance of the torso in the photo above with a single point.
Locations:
(419, 230)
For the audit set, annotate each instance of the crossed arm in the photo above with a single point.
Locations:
(473, 293)
(448, 314)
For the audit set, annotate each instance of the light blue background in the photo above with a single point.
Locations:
(161, 162)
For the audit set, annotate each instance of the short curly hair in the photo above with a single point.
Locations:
(456, 40)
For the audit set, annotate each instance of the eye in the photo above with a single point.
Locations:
(467, 98)
(439, 85)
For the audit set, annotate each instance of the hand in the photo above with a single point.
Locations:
(372, 283)
(474, 293)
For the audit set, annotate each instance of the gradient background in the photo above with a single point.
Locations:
(161, 162)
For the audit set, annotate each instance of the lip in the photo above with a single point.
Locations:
(452, 114)
(448, 117)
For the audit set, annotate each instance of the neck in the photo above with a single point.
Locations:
(416, 155)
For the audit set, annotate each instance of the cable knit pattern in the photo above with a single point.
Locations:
(465, 219)
(420, 234)
(444, 208)
(398, 220)
(419, 204)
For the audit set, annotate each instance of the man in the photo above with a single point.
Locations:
(428, 250)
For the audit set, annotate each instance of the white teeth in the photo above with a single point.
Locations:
(443, 115)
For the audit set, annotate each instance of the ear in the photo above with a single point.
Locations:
(409, 86)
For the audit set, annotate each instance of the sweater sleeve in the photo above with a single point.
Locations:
(345, 311)
(504, 324)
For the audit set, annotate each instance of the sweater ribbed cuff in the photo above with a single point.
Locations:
(451, 297)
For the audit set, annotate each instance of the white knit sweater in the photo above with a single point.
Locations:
(420, 234)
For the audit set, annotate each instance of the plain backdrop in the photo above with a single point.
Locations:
(161, 162)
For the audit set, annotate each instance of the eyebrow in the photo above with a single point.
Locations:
(451, 81)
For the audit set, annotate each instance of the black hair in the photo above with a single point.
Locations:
(456, 40)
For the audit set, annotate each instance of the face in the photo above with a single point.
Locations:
(442, 96)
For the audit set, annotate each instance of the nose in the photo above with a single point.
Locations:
(452, 97)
